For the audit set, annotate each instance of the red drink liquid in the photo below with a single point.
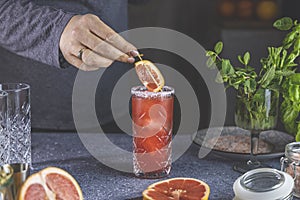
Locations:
(152, 115)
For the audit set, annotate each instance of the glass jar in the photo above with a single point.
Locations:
(6, 182)
(264, 183)
(290, 164)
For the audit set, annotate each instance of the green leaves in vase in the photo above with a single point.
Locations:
(275, 69)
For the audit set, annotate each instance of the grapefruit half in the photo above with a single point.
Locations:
(52, 184)
(176, 189)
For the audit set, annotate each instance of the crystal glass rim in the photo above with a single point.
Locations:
(14, 87)
(141, 91)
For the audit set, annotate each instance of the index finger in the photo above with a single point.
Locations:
(110, 36)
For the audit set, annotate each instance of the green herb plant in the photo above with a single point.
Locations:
(276, 68)
(290, 107)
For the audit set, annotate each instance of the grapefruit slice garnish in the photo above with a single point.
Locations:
(50, 183)
(177, 188)
(149, 75)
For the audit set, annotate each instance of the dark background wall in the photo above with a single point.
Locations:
(245, 27)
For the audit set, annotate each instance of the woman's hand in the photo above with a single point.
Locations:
(89, 44)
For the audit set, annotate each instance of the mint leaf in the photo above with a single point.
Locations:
(289, 38)
(252, 86)
(267, 77)
(289, 116)
(247, 58)
(247, 86)
(210, 53)
(294, 93)
(297, 45)
(211, 62)
(218, 47)
(241, 59)
(227, 67)
(284, 72)
(219, 78)
(283, 24)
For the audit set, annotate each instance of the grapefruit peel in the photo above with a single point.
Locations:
(176, 192)
(150, 75)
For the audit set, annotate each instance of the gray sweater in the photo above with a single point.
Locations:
(32, 31)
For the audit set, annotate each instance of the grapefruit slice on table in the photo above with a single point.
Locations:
(149, 75)
(176, 189)
(52, 184)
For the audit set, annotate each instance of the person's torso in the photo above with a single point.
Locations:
(51, 88)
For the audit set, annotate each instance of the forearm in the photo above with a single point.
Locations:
(32, 31)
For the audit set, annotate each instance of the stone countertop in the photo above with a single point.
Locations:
(98, 181)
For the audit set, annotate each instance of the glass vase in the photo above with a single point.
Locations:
(255, 113)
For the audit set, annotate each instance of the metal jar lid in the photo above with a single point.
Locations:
(264, 182)
(292, 151)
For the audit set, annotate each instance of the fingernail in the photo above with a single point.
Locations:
(131, 60)
(134, 53)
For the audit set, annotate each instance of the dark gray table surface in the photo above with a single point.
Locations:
(98, 181)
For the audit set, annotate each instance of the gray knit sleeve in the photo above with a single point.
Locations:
(32, 31)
